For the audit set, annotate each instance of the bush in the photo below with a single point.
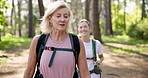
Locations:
(140, 30)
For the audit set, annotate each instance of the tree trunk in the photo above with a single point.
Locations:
(11, 19)
(124, 14)
(143, 10)
(4, 31)
(19, 17)
(108, 20)
(15, 22)
(0, 37)
(106, 27)
(87, 4)
(94, 19)
(41, 8)
(76, 6)
(30, 20)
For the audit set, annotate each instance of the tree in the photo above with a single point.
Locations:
(124, 14)
(143, 10)
(87, 4)
(3, 21)
(94, 19)
(108, 19)
(117, 8)
(19, 17)
(41, 8)
(12, 11)
(30, 20)
(76, 7)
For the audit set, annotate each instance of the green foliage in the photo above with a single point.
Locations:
(10, 41)
(123, 39)
(3, 7)
(112, 39)
(139, 30)
(118, 23)
(132, 18)
(125, 45)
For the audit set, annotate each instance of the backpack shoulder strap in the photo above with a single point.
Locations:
(41, 42)
(75, 45)
(76, 50)
(94, 50)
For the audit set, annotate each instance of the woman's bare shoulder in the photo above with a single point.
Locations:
(35, 38)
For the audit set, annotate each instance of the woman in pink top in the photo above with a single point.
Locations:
(56, 21)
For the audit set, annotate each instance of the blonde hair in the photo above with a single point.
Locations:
(84, 20)
(45, 24)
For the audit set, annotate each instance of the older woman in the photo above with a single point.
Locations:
(56, 21)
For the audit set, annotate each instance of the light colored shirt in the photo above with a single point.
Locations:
(89, 52)
(63, 65)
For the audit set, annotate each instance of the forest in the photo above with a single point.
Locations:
(108, 17)
(120, 25)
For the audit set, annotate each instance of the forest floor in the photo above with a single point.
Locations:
(114, 65)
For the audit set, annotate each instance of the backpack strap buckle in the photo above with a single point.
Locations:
(47, 48)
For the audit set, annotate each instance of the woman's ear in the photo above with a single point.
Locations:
(91, 28)
(49, 18)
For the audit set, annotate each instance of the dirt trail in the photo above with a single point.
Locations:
(15, 65)
(124, 66)
(114, 66)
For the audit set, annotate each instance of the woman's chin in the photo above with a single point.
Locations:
(84, 35)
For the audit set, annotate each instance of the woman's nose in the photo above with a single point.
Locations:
(83, 28)
(62, 19)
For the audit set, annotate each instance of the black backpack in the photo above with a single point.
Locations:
(42, 41)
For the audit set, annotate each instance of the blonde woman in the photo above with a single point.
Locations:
(56, 22)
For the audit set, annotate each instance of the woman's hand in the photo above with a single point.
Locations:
(97, 63)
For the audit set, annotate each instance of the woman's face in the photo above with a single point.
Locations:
(60, 19)
(83, 29)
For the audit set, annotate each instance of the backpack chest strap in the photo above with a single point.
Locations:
(93, 58)
(54, 52)
(53, 48)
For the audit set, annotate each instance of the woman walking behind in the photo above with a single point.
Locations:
(93, 48)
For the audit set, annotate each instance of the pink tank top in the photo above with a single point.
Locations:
(63, 65)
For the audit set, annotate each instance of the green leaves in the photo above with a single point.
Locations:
(3, 21)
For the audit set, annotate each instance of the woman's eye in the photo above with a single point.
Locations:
(66, 16)
(85, 26)
(58, 16)
(80, 27)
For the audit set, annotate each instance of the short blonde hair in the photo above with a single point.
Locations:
(84, 20)
(45, 24)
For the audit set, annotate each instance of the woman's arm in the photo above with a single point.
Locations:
(99, 52)
(82, 64)
(29, 72)
(101, 57)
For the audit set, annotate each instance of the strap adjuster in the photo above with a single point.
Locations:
(48, 48)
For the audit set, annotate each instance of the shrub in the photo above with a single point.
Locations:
(139, 30)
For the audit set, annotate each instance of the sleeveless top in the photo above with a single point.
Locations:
(63, 65)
